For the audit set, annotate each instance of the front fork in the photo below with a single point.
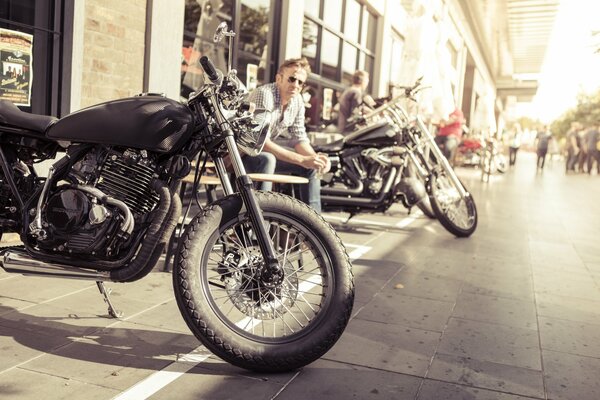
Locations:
(441, 158)
(272, 273)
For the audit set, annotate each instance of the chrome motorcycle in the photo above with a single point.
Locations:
(391, 158)
(260, 278)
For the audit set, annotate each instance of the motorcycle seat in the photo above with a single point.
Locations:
(338, 145)
(12, 116)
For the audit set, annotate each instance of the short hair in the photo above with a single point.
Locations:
(359, 77)
(295, 62)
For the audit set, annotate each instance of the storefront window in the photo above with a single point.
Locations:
(368, 31)
(201, 21)
(395, 65)
(312, 7)
(352, 26)
(336, 48)
(332, 14)
(348, 62)
(251, 58)
(310, 33)
(254, 32)
(330, 55)
(31, 44)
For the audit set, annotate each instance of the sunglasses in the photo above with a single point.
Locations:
(293, 79)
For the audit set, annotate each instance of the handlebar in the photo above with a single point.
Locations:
(211, 72)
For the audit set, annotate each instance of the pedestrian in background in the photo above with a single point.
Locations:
(514, 145)
(583, 150)
(572, 146)
(354, 97)
(542, 140)
(593, 154)
(450, 133)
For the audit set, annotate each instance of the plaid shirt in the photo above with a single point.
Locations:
(287, 128)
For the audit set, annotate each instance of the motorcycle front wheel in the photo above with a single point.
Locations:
(246, 319)
(457, 214)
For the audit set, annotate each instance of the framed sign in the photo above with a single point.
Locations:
(251, 76)
(15, 66)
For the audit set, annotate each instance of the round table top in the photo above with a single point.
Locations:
(277, 178)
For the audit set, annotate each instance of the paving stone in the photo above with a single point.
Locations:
(499, 286)
(499, 310)
(370, 277)
(571, 377)
(433, 390)
(489, 375)
(543, 252)
(426, 285)
(37, 289)
(165, 316)
(386, 347)
(116, 357)
(8, 304)
(23, 384)
(329, 380)
(567, 284)
(571, 337)
(568, 308)
(391, 306)
(500, 344)
(18, 346)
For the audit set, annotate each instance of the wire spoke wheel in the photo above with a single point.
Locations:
(249, 314)
(456, 213)
(241, 297)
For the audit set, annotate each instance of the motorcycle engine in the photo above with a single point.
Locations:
(377, 164)
(80, 218)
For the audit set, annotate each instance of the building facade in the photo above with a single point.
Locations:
(90, 51)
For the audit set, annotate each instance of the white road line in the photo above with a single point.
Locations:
(160, 379)
(406, 221)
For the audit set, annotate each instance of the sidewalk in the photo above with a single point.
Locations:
(511, 313)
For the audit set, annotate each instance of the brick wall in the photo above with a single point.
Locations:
(113, 53)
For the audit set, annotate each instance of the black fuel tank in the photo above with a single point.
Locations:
(153, 123)
(380, 133)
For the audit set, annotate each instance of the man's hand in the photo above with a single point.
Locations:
(319, 162)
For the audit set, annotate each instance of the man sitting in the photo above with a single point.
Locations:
(288, 151)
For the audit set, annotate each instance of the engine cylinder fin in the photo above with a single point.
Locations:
(130, 183)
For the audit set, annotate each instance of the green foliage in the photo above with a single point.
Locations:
(587, 112)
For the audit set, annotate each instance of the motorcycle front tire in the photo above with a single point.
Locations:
(457, 214)
(209, 297)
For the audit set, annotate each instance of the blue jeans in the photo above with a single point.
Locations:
(266, 163)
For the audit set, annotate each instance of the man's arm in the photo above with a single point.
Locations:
(305, 155)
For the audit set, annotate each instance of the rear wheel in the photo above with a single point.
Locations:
(457, 214)
(245, 316)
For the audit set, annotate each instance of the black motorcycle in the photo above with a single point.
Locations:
(260, 278)
(390, 157)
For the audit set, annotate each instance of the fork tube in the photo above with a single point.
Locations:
(246, 189)
(222, 171)
(244, 185)
(442, 159)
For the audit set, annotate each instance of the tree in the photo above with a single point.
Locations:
(587, 112)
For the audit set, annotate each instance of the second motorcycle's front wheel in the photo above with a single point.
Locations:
(456, 213)
(244, 314)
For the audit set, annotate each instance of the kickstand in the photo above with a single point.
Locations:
(349, 217)
(112, 311)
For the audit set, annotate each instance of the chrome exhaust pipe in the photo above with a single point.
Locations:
(19, 261)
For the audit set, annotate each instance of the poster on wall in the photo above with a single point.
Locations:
(327, 103)
(251, 76)
(15, 66)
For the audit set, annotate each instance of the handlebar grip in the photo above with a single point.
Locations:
(209, 69)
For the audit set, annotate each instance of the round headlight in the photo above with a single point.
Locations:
(253, 135)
